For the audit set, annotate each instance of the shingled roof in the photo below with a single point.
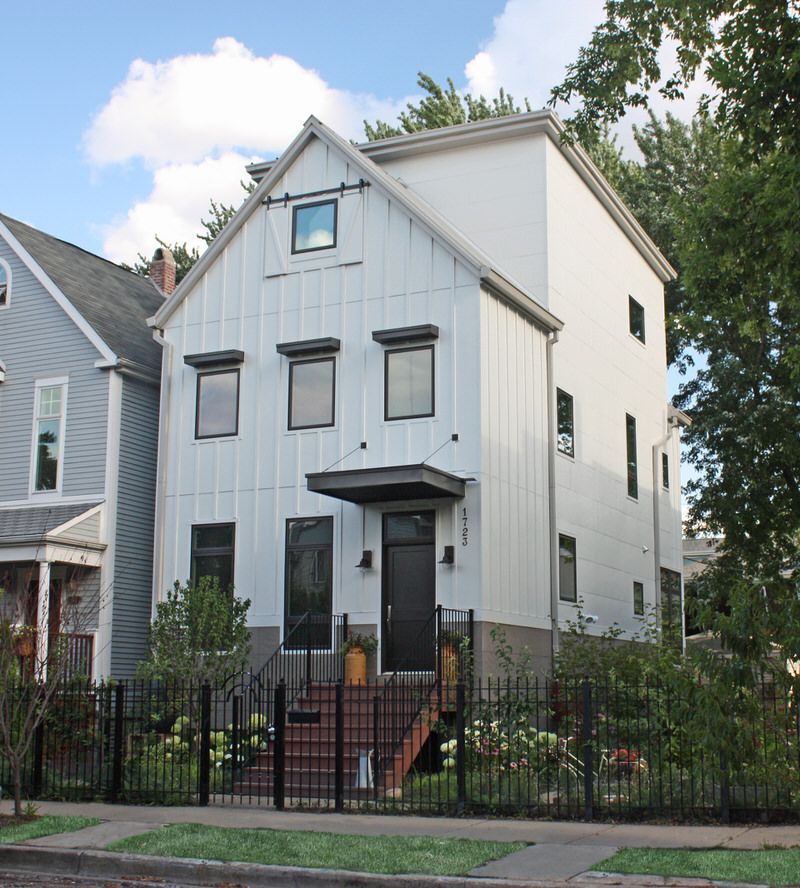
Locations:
(37, 521)
(115, 302)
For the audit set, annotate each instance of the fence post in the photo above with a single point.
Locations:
(203, 789)
(38, 756)
(339, 760)
(461, 748)
(119, 735)
(438, 643)
(236, 717)
(376, 744)
(588, 782)
(279, 763)
(724, 788)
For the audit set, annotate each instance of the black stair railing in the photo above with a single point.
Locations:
(311, 652)
(408, 690)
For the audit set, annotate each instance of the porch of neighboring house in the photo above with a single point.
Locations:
(50, 577)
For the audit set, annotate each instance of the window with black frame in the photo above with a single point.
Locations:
(632, 458)
(213, 552)
(312, 393)
(567, 568)
(636, 319)
(309, 581)
(566, 423)
(408, 383)
(671, 607)
(217, 408)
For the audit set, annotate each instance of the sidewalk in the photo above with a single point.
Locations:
(559, 851)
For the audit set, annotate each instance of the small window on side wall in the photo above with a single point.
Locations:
(638, 599)
(312, 393)
(217, 409)
(5, 285)
(636, 318)
(665, 471)
(212, 553)
(567, 572)
(314, 226)
(408, 383)
(566, 423)
(632, 459)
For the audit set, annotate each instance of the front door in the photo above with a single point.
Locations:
(409, 589)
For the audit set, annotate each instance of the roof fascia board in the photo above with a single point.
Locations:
(521, 300)
(44, 279)
(232, 228)
(548, 123)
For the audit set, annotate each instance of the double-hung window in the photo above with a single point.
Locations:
(566, 423)
(217, 413)
(309, 578)
(632, 460)
(212, 553)
(408, 383)
(567, 568)
(49, 436)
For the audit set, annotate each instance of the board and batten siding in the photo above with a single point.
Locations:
(514, 477)
(388, 271)
(39, 341)
(133, 562)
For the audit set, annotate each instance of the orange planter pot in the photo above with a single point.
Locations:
(355, 667)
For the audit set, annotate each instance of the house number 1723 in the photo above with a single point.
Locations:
(464, 528)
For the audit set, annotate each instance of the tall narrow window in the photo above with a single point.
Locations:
(665, 471)
(314, 226)
(309, 578)
(212, 553)
(217, 413)
(567, 573)
(671, 609)
(633, 466)
(408, 383)
(638, 598)
(312, 393)
(636, 318)
(5, 284)
(49, 435)
(566, 423)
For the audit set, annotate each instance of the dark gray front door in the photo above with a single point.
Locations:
(409, 590)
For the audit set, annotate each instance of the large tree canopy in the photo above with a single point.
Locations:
(748, 50)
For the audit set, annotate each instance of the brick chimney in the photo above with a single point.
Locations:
(162, 270)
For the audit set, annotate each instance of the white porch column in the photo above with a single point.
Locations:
(43, 620)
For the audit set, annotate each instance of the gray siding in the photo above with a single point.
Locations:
(38, 340)
(133, 569)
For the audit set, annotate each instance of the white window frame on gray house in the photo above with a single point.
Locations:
(5, 284)
(39, 417)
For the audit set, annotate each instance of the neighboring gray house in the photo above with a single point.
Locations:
(79, 403)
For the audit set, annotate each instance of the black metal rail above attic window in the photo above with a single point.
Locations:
(341, 191)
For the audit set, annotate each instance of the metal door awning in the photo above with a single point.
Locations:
(388, 484)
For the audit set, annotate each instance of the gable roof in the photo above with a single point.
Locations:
(436, 224)
(35, 522)
(115, 303)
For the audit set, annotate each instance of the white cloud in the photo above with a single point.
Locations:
(192, 119)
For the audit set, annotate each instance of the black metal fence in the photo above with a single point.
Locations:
(578, 749)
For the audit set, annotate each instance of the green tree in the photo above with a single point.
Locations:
(749, 51)
(443, 107)
(199, 635)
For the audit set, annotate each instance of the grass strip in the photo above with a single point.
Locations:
(390, 855)
(48, 825)
(772, 866)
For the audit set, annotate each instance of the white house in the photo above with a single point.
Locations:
(427, 370)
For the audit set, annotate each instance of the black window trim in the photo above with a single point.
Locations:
(396, 351)
(665, 480)
(571, 452)
(316, 425)
(297, 547)
(574, 568)
(631, 303)
(216, 550)
(631, 465)
(199, 437)
(640, 584)
(316, 203)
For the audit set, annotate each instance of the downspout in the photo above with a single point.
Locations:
(552, 339)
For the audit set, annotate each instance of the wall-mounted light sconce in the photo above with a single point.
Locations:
(366, 560)
(449, 556)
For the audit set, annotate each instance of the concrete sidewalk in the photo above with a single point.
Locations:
(559, 852)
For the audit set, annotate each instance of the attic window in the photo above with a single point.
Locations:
(314, 226)
(5, 284)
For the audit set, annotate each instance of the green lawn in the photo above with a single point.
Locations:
(773, 867)
(371, 854)
(41, 826)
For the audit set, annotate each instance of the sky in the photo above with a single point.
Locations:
(122, 120)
